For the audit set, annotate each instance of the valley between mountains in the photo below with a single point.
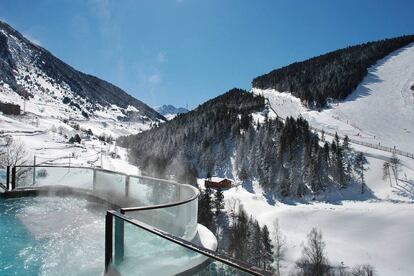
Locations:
(260, 139)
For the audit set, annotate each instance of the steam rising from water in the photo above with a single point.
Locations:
(67, 235)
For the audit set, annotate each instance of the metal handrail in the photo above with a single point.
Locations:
(166, 181)
(136, 208)
(110, 213)
(201, 250)
(166, 205)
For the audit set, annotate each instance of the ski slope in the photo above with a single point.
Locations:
(380, 110)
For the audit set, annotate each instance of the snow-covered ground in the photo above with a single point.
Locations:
(375, 229)
(46, 138)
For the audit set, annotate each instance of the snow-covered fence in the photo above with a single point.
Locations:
(366, 144)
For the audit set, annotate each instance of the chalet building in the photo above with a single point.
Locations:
(225, 183)
(10, 109)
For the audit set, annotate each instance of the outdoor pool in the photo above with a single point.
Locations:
(51, 236)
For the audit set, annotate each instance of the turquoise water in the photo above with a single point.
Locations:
(3, 176)
(15, 240)
(51, 236)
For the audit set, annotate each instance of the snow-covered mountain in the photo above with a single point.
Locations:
(28, 71)
(169, 111)
(58, 102)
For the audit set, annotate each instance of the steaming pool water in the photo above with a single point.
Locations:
(51, 236)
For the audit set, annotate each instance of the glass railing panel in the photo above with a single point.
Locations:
(142, 191)
(54, 176)
(153, 191)
(3, 176)
(179, 220)
(110, 185)
(24, 177)
(185, 192)
(141, 252)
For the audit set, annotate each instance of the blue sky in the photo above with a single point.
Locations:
(188, 51)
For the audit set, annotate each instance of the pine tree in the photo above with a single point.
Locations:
(267, 249)
(218, 214)
(239, 233)
(218, 202)
(347, 157)
(340, 177)
(345, 144)
(326, 153)
(205, 210)
(255, 243)
(336, 138)
(360, 162)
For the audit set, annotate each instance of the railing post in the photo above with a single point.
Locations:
(127, 186)
(119, 240)
(13, 180)
(94, 180)
(108, 240)
(8, 178)
(34, 170)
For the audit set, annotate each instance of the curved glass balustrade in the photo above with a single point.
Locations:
(166, 205)
(153, 230)
(134, 248)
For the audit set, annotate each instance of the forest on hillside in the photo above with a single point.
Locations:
(287, 159)
(334, 75)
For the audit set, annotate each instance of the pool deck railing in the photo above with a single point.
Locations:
(162, 211)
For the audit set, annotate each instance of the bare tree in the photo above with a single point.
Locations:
(363, 270)
(233, 206)
(314, 261)
(279, 245)
(396, 166)
(12, 153)
(386, 171)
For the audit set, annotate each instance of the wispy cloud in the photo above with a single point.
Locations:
(161, 57)
(111, 34)
(102, 9)
(150, 77)
(154, 79)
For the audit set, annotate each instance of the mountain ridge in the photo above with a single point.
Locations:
(170, 110)
(25, 67)
(331, 76)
